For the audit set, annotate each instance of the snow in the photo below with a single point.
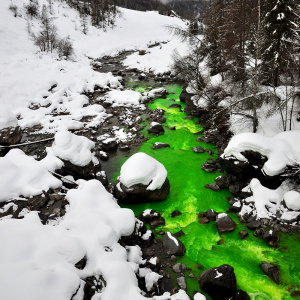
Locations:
(7, 118)
(152, 173)
(292, 200)
(199, 296)
(147, 235)
(171, 237)
(150, 279)
(127, 97)
(218, 274)
(39, 259)
(16, 179)
(222, 215)
(73, 148)
(157, 59)
(281, 149)
(153, 260)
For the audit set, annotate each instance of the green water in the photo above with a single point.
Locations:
(189, 196)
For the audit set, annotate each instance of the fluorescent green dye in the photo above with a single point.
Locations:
(189, 196)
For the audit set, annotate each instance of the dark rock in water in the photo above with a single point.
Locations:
(296, 294)
(222, 181)
(138, 193)
(209, 167)
(10, 135)
(142, 52)
(156, 128)
(161, 232)
(236, 207)
(235, 189)
(181, 282)
(141, 76)
(259, 233)
(173, 245)
(175, 105)
(160, 146)
(109, 145)
(172, 128)
(243, 234)
(201, 139)
(198, 149)
(271, 238)
(241, 295)
(176, 213)
(124, 148)
(103, 156)
(204, 220)
(254, 224)
(211, 214)
(225, 223)
(192, 276)
(212, 186)
(271, 271)
(153, 218)
(219, 283)
(179, 268)
(185, 96)
(101, 176)
(179, 233)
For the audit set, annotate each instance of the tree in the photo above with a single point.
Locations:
(280, 28)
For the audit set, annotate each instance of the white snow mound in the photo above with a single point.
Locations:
(281, 150)
(292, 200)
(127, 97)
(142, 168)
(73, 148)
(23, 175)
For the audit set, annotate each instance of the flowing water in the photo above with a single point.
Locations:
(189, 196)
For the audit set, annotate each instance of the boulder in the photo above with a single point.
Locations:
(158, 145)
(176, 213)
(212, 186)
(222, 181)
(179, 268)
(173, 245)
(243, 234)
(271, 271)
(156, 128)
(181, 282)
(10, 135)
(271, 237)
(211, 214)
(225, 223)
(219, 283)
(198, 149)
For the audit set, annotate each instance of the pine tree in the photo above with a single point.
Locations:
(280, 27)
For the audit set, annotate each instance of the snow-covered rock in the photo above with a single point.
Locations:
(281, 150)
(119, 98)
(292, 200)
(73, 148)
(23, 175)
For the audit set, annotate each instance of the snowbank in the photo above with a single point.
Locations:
(37, 261)
(73, 148)
(281, 150)
(23, 175)
(142, 168)
(121, 98)
(7, 118)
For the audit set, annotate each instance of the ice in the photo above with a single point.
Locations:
(153, 173)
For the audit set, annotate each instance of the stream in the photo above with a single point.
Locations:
(205, 248)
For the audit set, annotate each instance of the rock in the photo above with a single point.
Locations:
(109, 145)
(142, 52)
(219, 283)
(254, 224)
(234, 189)
(172, 128)
(10, 135)
(152, 217)
(138, 193)
(185, 96)
(271, 238)
(173, 258)
(181, 282)
(160, 146)
(103, 156)
(204, 220)
(222, 181)
(188, 118)
(212, 186)
(173, 245)
(243, 234)
(271, 271)
(179, 268)
(192, 276)
(179, 233)
(241, 295)
(175, 105)
(156, 128)
(142, 76)
(202, 139)
(225, 223)
(176, 213)
(198, 149)
(211, 215)
(209, 167)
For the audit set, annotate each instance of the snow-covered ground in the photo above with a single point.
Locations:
(27, 75)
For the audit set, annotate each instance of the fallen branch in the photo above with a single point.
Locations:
(27, 143)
